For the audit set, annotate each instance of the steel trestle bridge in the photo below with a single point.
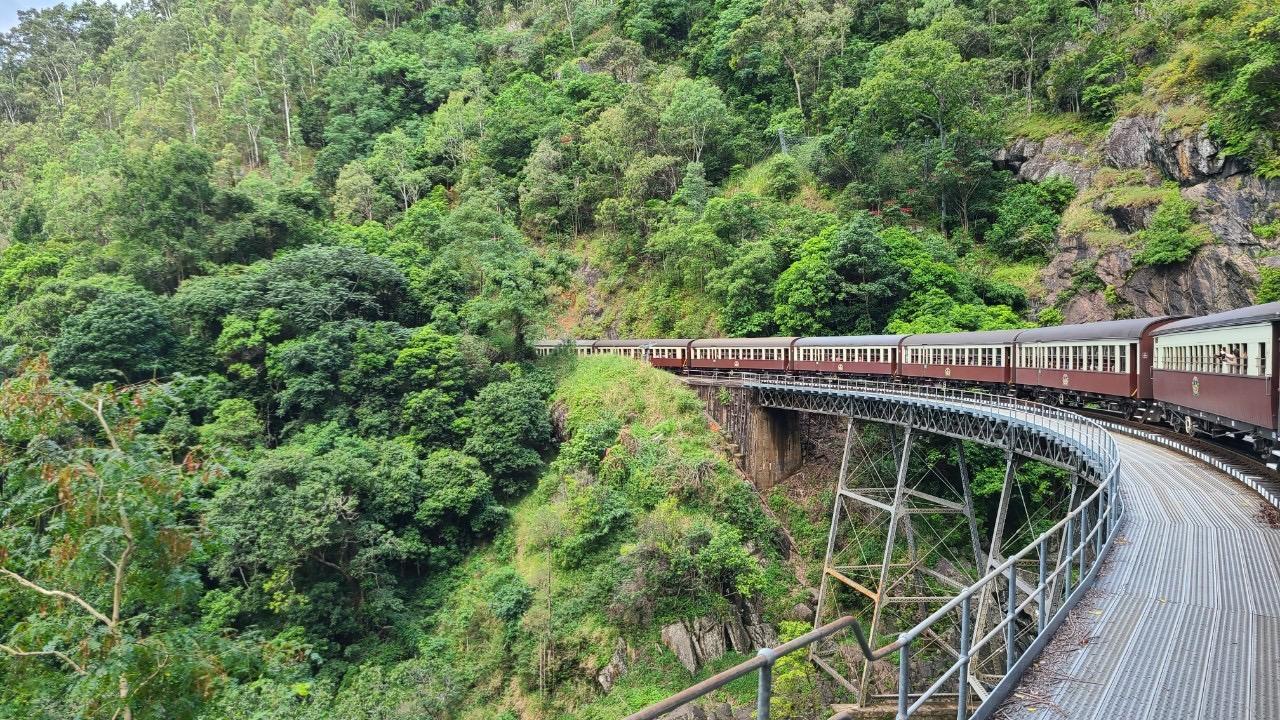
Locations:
(958, 638)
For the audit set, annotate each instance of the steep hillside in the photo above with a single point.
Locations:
(269, 273)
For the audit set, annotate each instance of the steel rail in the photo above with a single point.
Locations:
(1107, 515)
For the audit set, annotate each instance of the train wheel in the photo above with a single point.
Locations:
(1189, 425)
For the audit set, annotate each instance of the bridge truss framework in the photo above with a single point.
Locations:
(908, 578)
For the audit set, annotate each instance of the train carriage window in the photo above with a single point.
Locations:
(1261, 360)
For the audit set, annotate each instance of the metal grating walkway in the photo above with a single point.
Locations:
(1184, 622)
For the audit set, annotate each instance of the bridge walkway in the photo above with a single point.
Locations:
(1184, 621)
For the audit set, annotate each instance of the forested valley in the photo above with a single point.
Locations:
(274, 444)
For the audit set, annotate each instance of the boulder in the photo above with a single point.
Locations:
(678, 640)
(616, 668)
(802, 612)
(1128, 143)
(1131, 218)
(1190, 156)
(709, 639)
(1058, 156)
(1215, 278)
(1187, 155)
(1012, 158)
(1232, 206)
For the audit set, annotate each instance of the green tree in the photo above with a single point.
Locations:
(1027, 218)
(122, 335)
(509, 428)
(694, 117)
(1172, 236)
(98, 556)
(164, 201)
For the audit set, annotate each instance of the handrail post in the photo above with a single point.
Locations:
(1011, 626)
(1042, 587)
(1084, 536)
(1066, 563)
(764, 691)
(962, 691)
(904, 677)
(1098, 528)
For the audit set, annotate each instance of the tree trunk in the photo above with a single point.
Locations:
(288, 121)
(795, 78)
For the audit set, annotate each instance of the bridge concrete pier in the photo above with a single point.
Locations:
(768, 440)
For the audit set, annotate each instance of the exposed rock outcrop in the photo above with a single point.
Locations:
(1094, 276)
(1188, 156)
(617, 667)
(1056, 156)
(701, 640)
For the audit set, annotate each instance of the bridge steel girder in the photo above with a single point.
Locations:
(1021, 437)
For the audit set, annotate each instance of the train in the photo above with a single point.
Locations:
(1212, 376)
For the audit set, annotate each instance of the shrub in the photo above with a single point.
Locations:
(1050, 316)
(782, 177)
(1027, 217)
(1171, 238)
(1269, 285)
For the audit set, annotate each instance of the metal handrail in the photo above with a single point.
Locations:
(1108, 514)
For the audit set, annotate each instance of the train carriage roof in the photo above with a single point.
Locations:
(1269, 312)
(653, 342)
(983, 337)
(850, 341)
(564, 342)
(745, 342)
(1108, 330)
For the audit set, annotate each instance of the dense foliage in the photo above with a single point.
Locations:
(269, 271)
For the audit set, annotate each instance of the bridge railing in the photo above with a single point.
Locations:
(1067, 557)
(1086, 434)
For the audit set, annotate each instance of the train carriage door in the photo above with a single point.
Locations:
(1268, 361)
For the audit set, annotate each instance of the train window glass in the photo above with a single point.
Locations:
(1262, 359)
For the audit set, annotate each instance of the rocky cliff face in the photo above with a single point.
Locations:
(1122, 179)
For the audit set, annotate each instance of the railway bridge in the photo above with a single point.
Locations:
(924, 611)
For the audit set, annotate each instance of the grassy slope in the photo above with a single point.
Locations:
(663, 460)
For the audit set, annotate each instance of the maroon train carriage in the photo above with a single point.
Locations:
(1110, 358)
(1217, 373)
(770, 353)
(663, 352)
(856, 354)
(980, 357)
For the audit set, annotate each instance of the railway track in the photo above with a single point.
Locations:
(1241, 459)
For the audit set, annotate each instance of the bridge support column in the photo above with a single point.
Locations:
(773, 448)
(894, 517)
